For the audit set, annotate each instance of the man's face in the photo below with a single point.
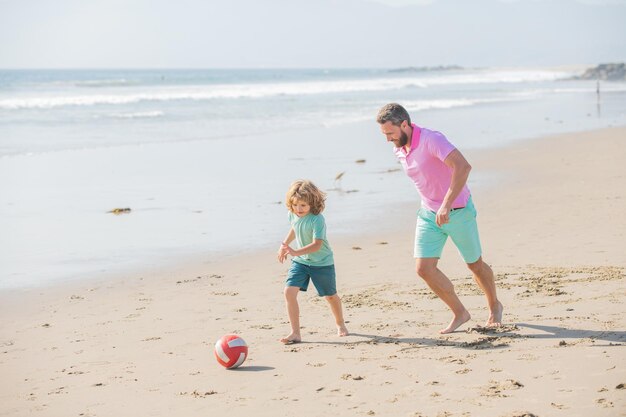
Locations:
(394, 134)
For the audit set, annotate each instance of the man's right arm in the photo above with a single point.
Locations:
(460, 172)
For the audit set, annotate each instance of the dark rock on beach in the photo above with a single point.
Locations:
(605, 72)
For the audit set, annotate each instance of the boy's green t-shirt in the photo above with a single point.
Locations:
(307, 229)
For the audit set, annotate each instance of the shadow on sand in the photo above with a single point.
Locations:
(252, 368)
(555, 332)
(488, 342)
(490, 339)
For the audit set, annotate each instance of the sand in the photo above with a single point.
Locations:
(553, 230)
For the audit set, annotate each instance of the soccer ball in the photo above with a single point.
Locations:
(231, 351)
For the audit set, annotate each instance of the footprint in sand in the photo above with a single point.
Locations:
(227, 293)
(198, 394)
(353, 377)
(505, 328)
(497, 388)
(317, 365)
(58, 391)
(490, 342)
(198, 278)
(604, 403)
(452, 359)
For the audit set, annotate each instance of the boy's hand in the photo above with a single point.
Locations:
(282, 253)
(289, 250)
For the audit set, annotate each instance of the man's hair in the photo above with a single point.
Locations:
(394, 113)
(304, 190)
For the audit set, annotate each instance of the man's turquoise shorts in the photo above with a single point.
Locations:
(323, 278)
(462, 228)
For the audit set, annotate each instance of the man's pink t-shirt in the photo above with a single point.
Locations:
(424, 165)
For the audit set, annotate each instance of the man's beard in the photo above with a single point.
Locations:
(404, 139)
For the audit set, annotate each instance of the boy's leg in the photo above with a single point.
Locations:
(335, 307)
(293, 311)
(441, 285)
(324, 279)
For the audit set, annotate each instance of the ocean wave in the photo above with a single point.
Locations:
(363, 114)
(120, 82)
(137, 115)
(266, 90)
(608, 87)
(422, 105)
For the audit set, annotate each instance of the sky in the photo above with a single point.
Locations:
(309, 33)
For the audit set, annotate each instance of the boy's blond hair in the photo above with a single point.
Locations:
(305, 190)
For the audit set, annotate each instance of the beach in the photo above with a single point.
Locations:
(552, 227)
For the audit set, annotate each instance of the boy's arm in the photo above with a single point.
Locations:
(319, 234)
(282, 251)
(313, 247)
(290, 237)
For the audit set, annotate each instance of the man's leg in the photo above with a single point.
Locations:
(441, 285)
(483, 275)
(463, 230)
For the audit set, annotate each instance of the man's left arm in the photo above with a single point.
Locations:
(460, 171)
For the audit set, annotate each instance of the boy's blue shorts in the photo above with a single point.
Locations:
(462, 228)
(323, 278)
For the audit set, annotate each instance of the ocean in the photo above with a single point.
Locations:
(203, 157)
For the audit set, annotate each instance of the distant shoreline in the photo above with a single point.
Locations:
(429, 69)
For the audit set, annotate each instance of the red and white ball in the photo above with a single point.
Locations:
(231, 351)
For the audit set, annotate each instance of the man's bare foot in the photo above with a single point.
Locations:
(495, 316)
(456, 322)
(291, 339)
(342, 330)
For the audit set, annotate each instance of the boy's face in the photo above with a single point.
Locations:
(300, 208)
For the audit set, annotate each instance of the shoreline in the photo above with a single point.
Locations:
(177, 190)
(82, 350)
(500, 175)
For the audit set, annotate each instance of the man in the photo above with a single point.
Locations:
(440, 173)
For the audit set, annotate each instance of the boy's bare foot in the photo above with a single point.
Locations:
(291, 339)
(495, 316)
(456, 322)
(342, 330)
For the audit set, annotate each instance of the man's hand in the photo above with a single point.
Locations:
(443, 216)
